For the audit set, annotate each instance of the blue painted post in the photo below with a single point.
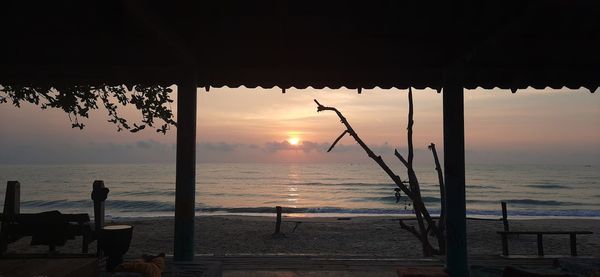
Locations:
(185, 184)
(454, 172)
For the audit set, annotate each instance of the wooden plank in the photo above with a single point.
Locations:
(573, 243)
(252, 264)
(307, 263)
(185, 183)
(545, 232)
(504, 244)
(540, 244)
(48, 266)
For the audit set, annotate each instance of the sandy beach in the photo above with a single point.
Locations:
(370, 236)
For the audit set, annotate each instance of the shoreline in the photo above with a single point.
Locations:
(365, 236)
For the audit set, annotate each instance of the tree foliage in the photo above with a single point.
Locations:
(78, 100)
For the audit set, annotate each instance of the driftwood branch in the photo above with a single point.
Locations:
(418, 205)
(370, 153)
(412, 191)
(442, 220)
(438, 168)
(336, 141)
(399, 156)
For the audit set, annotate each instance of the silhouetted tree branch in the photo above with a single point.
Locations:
(336, 141)
(370, 153)
(77, 100)
(442, 220)
(413, 191)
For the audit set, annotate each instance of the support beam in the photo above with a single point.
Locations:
(185, 184)
(454, 171)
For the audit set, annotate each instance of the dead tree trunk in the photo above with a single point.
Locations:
(412, 191)
(442, 220)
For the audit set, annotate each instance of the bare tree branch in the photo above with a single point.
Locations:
(397, 154)
(336, 140)
(370, 153)
(442, 220)
(418, 205)
(412, 191)
(438, 168)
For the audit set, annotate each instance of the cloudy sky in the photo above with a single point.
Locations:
(257, 125)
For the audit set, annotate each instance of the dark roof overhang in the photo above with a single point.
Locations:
(343, 43)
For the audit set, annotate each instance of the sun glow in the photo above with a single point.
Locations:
(294, 141)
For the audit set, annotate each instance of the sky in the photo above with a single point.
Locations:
(256, 125)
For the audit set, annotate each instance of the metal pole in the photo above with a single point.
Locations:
(454, 171)
(185, 184)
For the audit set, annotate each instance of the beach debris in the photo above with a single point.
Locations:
(411, 188)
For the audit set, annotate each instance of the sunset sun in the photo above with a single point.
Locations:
(294, 141)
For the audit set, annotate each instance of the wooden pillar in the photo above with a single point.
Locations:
(185, 184)
(454, 172)
(12, 198)
(504, 216)
(99, 195)
(12, 207)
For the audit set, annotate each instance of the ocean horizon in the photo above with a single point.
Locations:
(304, 190)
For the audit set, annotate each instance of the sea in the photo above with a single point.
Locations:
(304, 190)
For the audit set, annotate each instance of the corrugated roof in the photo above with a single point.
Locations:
(383, 43)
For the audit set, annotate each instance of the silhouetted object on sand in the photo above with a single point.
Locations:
(114, 241)
(99, 195)
(278, 233)
(413, 191)
(12, 207)
(504, 216)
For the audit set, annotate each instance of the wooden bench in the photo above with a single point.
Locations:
(22, 225)
(540, 242)
(15, 225)
(540, 235)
